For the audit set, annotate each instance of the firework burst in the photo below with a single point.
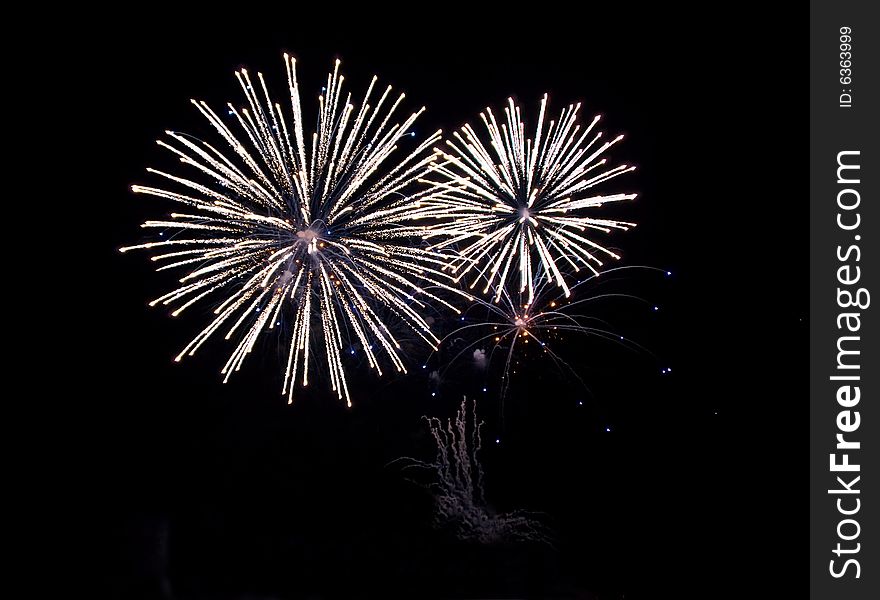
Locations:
(298, 232)
(513, 324)
(524, 204)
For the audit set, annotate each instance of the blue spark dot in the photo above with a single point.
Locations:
(580, 402)
(433, 394)
(352, 351)
(608, 429)
(621, 337)
(656, 308)
(668, 273)
(484, 389)
(231, 112)
(462, 318)
(424, 366)
(161, 233)
(497, 440)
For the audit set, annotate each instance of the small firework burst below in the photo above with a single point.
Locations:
(512, 324)
(301, 230)
(523, 205)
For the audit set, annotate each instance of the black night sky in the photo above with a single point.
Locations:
(225, 491)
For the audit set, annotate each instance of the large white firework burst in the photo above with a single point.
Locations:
(523, 204)
(298, 232)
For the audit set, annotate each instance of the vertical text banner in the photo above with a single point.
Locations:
(844, 288)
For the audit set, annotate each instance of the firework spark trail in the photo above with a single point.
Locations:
(524, 205)
(512, 323)
(287, 226)
(459, 495)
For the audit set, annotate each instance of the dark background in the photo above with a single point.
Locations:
(696, 491)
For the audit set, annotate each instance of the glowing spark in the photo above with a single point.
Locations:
(522, 204)
(257, 231)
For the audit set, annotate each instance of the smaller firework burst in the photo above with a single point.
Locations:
(516, 207)
(513, 324)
